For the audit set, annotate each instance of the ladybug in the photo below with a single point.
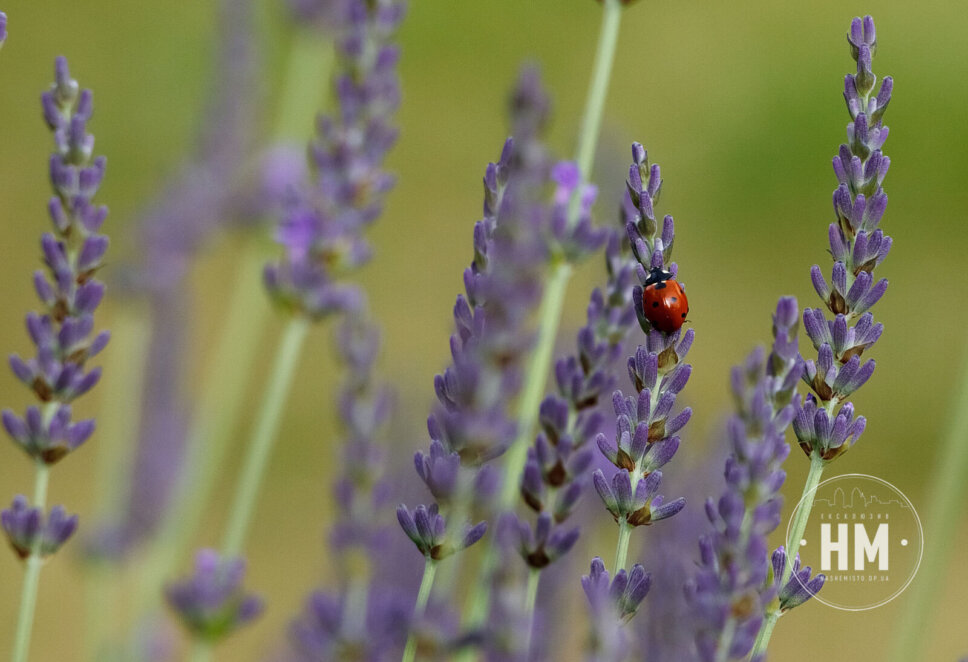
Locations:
(664, 301)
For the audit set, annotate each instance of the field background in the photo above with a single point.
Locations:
(739, 102)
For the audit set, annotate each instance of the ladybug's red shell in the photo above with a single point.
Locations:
(665, 304)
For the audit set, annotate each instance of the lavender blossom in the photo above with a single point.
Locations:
(212, 603)
(858, 246)
(3, 28)
(731, 590)
(321, 229)
(645, 438)
(64, 334)
(27, 531)
(612, 603)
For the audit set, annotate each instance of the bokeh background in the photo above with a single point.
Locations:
(739, 102)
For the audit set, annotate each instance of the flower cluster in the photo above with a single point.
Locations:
(858, 246)
(321, 229)
(612, 603)
(645, 427)
(211, 603)
(63, 334)
(731, 590)
(3, 28)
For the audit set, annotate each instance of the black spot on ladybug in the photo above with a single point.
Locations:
(655, 304)
(660, 286)
(683, 316)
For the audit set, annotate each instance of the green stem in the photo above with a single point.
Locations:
(944, 518)
(218, 409)
(725, 641)
(622, 546)
(201, 651)
(793, 544)
(28, 595)
(552, 303)
(122, 388)
(423, 596)
(591, 122)
(530, 599)
(534, 389)
(803, 513)
(266, 427)
(766, 631)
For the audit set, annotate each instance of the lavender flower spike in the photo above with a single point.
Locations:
(3, 28)
(212, 603)
(645, 425)
(858, 247)
(63, 334)
(730, 591)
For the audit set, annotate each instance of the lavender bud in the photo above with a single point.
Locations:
(212, 602)
(27, 530)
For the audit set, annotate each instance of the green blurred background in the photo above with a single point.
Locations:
(739, 102)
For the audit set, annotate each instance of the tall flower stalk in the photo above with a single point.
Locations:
(825, 424)
(645, 425)
(554, 476)
(733, 586)
(63, 335)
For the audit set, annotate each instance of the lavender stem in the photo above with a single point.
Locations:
(622, 546)
(550, 309)
(423, 596)
(793, 542)
(944, 515)
(260, 445)
(531, 598)
(556, 288)
(598, 88)
(28, 596)
(201, 651)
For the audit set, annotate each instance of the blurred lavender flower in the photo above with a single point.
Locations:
(3, 28)
(612, 603)
(212, 603)
(321, 228)
(208, 193)
(730, 590)
(858, 246)
(26, 529)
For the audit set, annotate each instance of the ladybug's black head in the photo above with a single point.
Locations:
(658, 275)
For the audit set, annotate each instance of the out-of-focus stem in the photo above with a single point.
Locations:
(591, 123)
(123, 388)
(28, 595)
(266, 426)
(201, 651)
(944, 519)
(423, 596)
(552, 303)
(219, 406)
(530, 599)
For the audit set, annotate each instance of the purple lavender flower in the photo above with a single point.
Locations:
(26, 529)
(64, 334)
(858, 246)
(800, 587)
(321, 228)
(428, 531)
(612, 603)
(731, 590)
(3, 28)
(646, 428)
(212, 603)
